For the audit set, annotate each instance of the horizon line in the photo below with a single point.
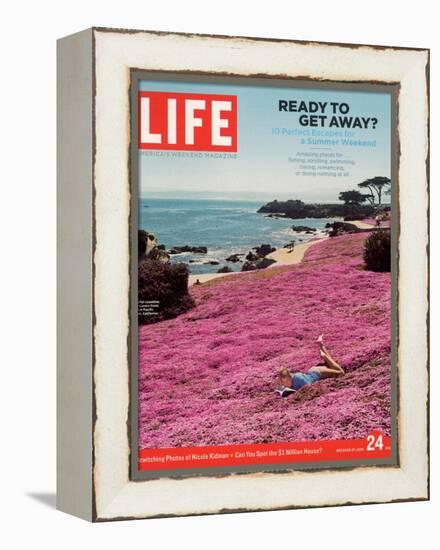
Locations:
(253, 199)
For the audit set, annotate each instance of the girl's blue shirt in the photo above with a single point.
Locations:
(300, 379)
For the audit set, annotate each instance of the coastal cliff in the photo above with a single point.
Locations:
(296, 209)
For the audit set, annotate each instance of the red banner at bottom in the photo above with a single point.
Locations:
(375, 445)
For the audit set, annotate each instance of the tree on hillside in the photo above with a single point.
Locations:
(376, 186)
(352, 197)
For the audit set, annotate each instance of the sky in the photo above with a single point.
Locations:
(262, 168)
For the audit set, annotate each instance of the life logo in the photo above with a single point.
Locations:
(187, 122)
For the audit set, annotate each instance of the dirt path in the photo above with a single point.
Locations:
(362, 225)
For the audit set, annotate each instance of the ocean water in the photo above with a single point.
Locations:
(225, 227)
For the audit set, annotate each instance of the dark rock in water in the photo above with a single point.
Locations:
(275, 215)
(158, 254)
(186, 248)
(328, 225)
(303, 229)
(264, 249)
(149, 249)
(264, 262)
(211, 262)
(248, 266)
(289, 208)
(251, 257)
(339, 228)
(225, 269)
(290, 245)
(146, 242)
(254, 260)
(234, 258)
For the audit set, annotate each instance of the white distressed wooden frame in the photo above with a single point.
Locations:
(94, 279)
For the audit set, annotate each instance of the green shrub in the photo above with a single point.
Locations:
(167, 285)
(377, 251)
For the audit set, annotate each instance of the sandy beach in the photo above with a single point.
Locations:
(286, 256)
(282, 256)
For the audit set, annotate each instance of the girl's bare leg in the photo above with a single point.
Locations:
(328, 359)
(322, 346)
(330, 362)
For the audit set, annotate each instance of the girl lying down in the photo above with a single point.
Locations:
(329, 368)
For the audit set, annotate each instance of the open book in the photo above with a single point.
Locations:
(284, 391)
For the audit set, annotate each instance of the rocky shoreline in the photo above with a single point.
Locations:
(296, 209)
(172, 279)
(259, 257)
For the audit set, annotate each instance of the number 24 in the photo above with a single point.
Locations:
(375, 442)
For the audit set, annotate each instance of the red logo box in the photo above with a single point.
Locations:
(187, 122)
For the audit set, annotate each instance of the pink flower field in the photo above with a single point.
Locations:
(208, 376)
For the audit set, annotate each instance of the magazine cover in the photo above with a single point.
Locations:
(263, 275)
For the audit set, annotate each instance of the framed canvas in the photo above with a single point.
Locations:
(242, 274)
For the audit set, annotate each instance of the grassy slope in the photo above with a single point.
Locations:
(207, 377)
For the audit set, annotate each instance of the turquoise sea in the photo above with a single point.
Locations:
(224, 226)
